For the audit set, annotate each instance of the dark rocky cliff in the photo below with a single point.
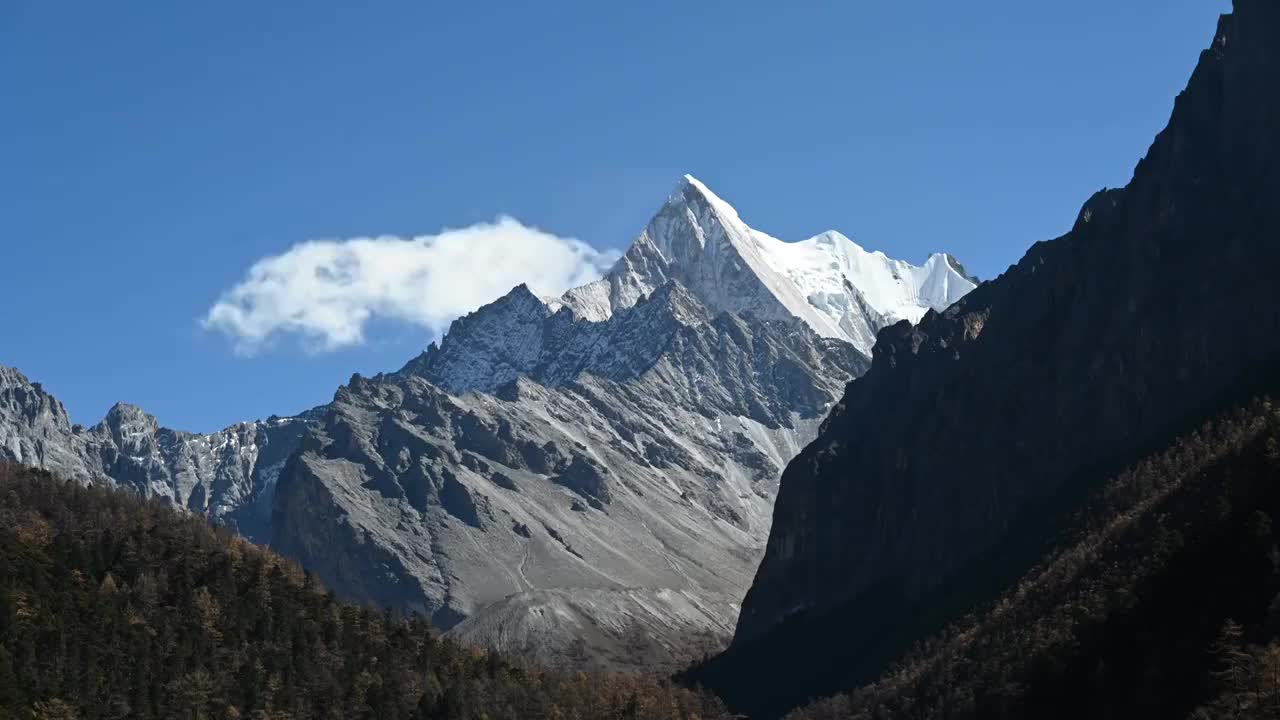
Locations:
(1096, 343)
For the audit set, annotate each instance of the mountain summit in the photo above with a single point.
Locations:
(829, 282)
(697, 242)
(973, 428)
(606, 459)
(583, 477)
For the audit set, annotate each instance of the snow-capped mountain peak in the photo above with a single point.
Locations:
(619, 446)
(857, 292)
(831, 283)
(698, 242)
(696, 185)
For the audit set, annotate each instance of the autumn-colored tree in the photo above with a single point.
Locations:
(112, 606)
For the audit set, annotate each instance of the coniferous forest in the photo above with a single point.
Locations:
(1159, 597)
(116, 607)
(855, 488)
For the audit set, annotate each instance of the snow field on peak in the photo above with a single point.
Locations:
(829, 282)
(822, 265)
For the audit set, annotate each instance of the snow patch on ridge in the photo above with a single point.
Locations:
(828, 281)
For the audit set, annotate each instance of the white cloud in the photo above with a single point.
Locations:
(325, 291)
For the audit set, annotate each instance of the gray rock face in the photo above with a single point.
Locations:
(35, 429)
(828, 282)
(590, 476)
(605, 459)
(1159, 299)
(639, 492)
(228, 475)
(658, 630)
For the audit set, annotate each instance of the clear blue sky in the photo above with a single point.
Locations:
(150, 152)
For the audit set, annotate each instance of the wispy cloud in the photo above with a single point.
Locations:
(324, 292)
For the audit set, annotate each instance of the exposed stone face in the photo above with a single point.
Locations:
(639, 486)
(1160, 297)
(35, 429)
(634, 459)
(587, 478)
(605, 458)
(229, 475)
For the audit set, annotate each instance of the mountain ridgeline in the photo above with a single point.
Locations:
(586, 479)
(1049, 495)
(593, 475)
(934, 481)
(112, 606)
(228, 475)
(1160, 598)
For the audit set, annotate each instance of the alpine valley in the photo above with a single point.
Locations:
(1055, 498)
(587, 479)
(857, 488)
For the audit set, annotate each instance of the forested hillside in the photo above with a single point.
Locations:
(116, 607)
(935, 481)
(1162, 600)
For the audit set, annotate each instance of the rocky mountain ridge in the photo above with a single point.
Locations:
(589, 476)
(228, 475)
(828, 282)
(637, 495)
(1094, 345)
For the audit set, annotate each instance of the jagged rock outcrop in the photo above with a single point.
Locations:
(1095, 344)
(828, 282)
(35, 429)
(228, 475)
(608, 458)
(639, 488)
